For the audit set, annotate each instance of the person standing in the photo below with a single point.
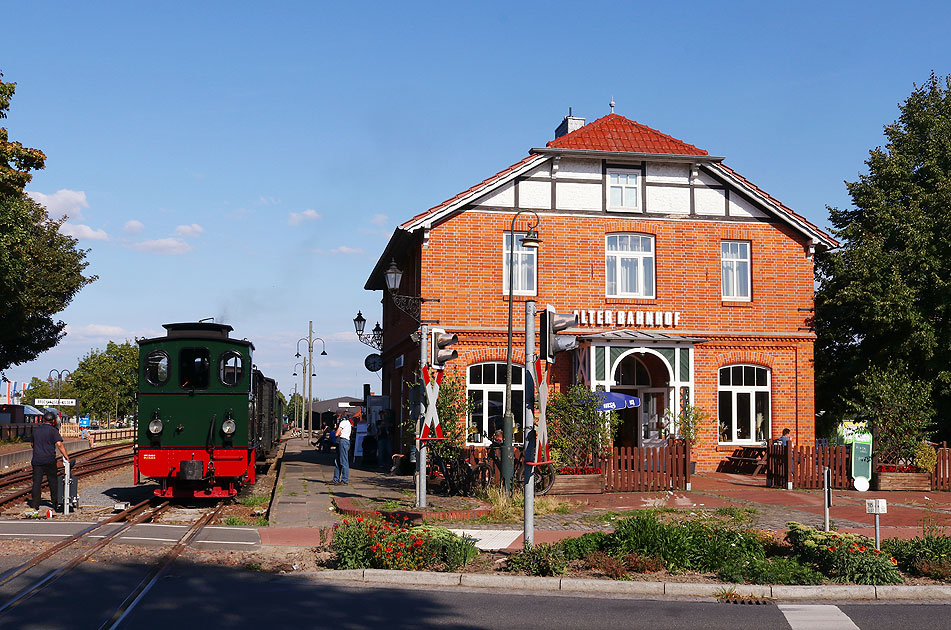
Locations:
(342, 463)
(46, 440)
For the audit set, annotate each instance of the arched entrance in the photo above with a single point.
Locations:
(645, 375)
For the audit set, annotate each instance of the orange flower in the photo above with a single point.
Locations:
(895, 562)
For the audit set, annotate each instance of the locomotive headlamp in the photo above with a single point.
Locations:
(155, 426)
(228, 426)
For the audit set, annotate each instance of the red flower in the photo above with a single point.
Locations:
(895, 562)
(359, 519)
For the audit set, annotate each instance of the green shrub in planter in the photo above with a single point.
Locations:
(845, 558)
(770, 571)
(362, 543)
(684, 546)
(928, 555)
(538, 560)
(582, 546)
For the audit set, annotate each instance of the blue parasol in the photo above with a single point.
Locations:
(612, 401)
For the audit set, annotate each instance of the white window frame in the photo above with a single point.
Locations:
(630, 193)
(752, 390)
(729, 267)
(523, 256)
(485, 389)
(640, 257)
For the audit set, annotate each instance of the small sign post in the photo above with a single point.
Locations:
(876, 507)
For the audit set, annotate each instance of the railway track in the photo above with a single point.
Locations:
(17, 484)
(130, 517)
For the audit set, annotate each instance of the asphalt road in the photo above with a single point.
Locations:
(204, 596)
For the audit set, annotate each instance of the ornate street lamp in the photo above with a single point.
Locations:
(532, 240)
(310, 338)
(375, 339)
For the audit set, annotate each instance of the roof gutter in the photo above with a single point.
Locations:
(588, 153)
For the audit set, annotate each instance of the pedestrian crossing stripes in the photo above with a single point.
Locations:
(816, 617)
(491, 539)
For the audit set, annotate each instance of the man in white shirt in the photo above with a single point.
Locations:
(342, 463)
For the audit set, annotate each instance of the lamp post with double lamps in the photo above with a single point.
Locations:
(530, 240)
(61, 375)
(310, 338)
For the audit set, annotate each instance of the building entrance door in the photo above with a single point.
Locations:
(652, 418)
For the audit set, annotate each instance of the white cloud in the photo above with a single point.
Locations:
(63, 203)
(80, 231)
(379, 219)
(295, 218)
(133, 227)
(343, 249)
(268, 201)
(189, 230)
(163, 246)
(105, 332)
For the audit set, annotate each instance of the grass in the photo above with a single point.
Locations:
(240, 521)
(255, 500)
(509, 508)
(391, 505)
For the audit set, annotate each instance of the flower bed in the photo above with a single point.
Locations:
(580, 470)
(372, 543)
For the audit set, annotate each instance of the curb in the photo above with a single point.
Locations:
(345, 505)
(829, 592)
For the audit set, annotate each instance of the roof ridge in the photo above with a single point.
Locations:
(592, 137)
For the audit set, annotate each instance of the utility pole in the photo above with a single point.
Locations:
(310, 378)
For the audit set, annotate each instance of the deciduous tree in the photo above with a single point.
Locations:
(885, 295)
(106, 380)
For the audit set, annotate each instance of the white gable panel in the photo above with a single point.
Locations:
(543, 171)
(710, 201)
(571, 196)
(705, 178)
(579, 169)
(740, 207)
(673, 173)
(503, 197)
(668, 199)
(534, 194)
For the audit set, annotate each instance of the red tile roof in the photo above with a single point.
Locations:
(616, 133)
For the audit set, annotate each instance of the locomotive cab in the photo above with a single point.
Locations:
(201, 413)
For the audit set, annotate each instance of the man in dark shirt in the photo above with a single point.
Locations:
(46, 440)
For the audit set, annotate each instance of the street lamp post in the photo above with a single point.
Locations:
(412, 306)
(532, 240)
(310, 380)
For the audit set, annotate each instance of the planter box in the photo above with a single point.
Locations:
(902, 481)
(577, 484)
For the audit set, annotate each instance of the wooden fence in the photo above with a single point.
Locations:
(24, 431)
(801, 466)
(631, 469)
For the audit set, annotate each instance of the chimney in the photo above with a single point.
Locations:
(569, 124)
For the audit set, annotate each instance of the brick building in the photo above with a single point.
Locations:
(691, 285)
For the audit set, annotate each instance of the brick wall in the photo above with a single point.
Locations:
(462, 266)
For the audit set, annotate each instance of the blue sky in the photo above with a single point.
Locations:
(248, 161)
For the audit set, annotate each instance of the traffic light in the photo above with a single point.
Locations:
(442, 354)
(551, 323)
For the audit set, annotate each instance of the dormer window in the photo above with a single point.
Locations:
(623, 190)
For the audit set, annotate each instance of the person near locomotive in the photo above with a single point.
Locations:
(342, 463)
(46, 440)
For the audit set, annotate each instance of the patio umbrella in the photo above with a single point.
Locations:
(612, 401)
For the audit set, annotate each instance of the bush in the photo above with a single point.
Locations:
(770, 571)
(640, 564)
(684, 546)
(846, 558)
(371, 543)
(577, 432)
(926, 458)
(928, 555)
(582, 546)
(538, 560)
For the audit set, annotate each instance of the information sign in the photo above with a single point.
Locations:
(862, 460)
(876, 506)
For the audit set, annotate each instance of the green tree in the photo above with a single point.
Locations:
(16, 160)
(293, 408)
(898, 410)
(50, 388)
(106, 381)
(577, 432)
(885, 294)
(453, 408)
(41, 270)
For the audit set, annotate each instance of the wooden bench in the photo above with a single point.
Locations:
(744, 459)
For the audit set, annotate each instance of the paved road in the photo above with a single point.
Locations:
(204, 596)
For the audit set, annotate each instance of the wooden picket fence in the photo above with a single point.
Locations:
(633, 469)
(802, 467)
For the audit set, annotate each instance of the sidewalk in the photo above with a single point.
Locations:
(304, 503)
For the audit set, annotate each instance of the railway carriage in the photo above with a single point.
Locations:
(206, 415)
